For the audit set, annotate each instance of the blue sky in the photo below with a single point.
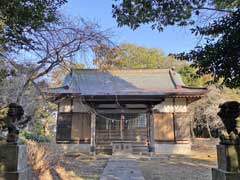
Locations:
(171, 40)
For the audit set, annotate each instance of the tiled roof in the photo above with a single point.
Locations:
(125, 82)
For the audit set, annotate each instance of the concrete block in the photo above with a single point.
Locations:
(228, 157)
(12, 157)
(172, 148)
(15, 175)
(13, 162)
(219, 174)
(122, 147)
(75, 148)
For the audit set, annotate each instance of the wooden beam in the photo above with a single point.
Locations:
(124, 99)
(93, 134)
(109, 111)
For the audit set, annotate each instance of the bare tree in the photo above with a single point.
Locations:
(58, 44)
(204, 118)
(54, 46)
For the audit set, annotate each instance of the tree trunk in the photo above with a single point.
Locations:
(208, 129)
(191, 129)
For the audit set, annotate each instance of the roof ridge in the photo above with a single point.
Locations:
(178, 83)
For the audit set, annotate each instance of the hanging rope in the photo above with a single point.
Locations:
(92, 110)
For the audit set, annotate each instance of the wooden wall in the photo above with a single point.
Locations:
(163, 126)
(81, 127)
(182, 127)
(73, 122)
(73, 127)
(64, 125)
(171, 122)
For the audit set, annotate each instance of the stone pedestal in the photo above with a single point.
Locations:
(13, 162)
(228, 157)
(122, 147)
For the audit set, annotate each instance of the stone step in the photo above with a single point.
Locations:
(122, 169)
(136, 149)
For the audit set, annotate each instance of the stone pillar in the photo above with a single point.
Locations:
(151, 133)
(13, 162)
(93, 134)
(228, 157)
(228, 151)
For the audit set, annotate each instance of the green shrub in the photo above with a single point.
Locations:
(25, 135)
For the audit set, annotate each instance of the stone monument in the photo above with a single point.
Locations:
(13, 160)
(228, 151)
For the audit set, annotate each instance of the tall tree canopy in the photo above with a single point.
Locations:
(219, 54)
(19, 18)
(132, 56)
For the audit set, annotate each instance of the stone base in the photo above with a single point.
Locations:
(75, 148)
(13, 162)
(19, 175)
(218, 174)
(122, 147)
(172, 148)
(228, 157)
(12, 157)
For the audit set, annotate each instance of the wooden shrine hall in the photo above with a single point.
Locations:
(124, 111)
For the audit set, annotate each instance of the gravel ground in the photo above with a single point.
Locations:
(196, 166)
(176, 168)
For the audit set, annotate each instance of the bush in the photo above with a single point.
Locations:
(25, 135)
(42, 157)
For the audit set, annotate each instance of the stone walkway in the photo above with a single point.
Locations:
(122, 169)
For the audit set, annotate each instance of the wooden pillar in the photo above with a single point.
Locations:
(151, 132)
(93, 134)
(121, 126)
(174, 119)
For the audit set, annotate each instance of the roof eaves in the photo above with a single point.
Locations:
(196, 88)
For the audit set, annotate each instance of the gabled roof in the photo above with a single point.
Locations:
(93, 82)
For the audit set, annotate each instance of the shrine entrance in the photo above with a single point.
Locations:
(121, 126)
(121, 131)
